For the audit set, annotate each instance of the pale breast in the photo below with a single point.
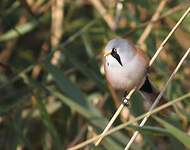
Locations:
(127, 76)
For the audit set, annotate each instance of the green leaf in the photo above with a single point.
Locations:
(76, 100)
(88, 46)
(180, 135)
(45, 117)
(184, 112)
(65, 84)
(16, 123)
(94, 75)
(149, 130)
(21, 29)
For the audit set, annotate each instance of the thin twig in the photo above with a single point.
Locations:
(56, 29)
(79, 136)
(169, 35)
(114, 117)
(124, 125)
(150, 25)
(157, 99)
(119, 8)
(107, 17)
(169, 12)
(27, 7)
(44, 7)
(109, 124)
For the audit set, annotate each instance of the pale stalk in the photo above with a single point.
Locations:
(114, 117)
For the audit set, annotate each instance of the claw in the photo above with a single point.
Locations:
(125, 102)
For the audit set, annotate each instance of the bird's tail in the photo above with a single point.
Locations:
(150, 92)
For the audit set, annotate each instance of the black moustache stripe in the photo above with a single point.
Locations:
(117, 57)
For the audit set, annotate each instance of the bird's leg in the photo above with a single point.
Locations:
(124, 99)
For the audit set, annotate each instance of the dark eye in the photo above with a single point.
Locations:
(114, 50)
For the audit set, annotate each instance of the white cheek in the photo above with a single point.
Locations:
(127, 76)
(112, 62)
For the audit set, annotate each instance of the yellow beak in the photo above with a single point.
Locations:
(106, 54)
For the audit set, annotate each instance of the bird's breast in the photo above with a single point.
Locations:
(127, 76)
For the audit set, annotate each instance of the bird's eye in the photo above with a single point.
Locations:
(114, 50)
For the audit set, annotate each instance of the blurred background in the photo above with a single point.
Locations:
(53, 93)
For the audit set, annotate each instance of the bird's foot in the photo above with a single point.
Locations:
(125, 101)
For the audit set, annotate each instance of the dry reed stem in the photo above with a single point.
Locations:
(57, 19)
(114, 117)
(150, 25)
(119, 127)
(37, 5)
(180, 35)
(169, 12)
(169, 35)
(157, 99)
(45, 7)
(119, 8)
(44, 51)
(107, 17)
(27, 7)
(56, 30)
(79, 136)
(151, 62)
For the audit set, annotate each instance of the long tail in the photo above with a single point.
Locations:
(150, 92)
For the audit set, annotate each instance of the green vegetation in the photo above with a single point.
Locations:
(53, 92)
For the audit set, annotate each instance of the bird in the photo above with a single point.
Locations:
(126, 67)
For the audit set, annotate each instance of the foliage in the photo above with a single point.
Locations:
(56, 105)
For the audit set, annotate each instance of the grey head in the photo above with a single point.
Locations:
(119, 51)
